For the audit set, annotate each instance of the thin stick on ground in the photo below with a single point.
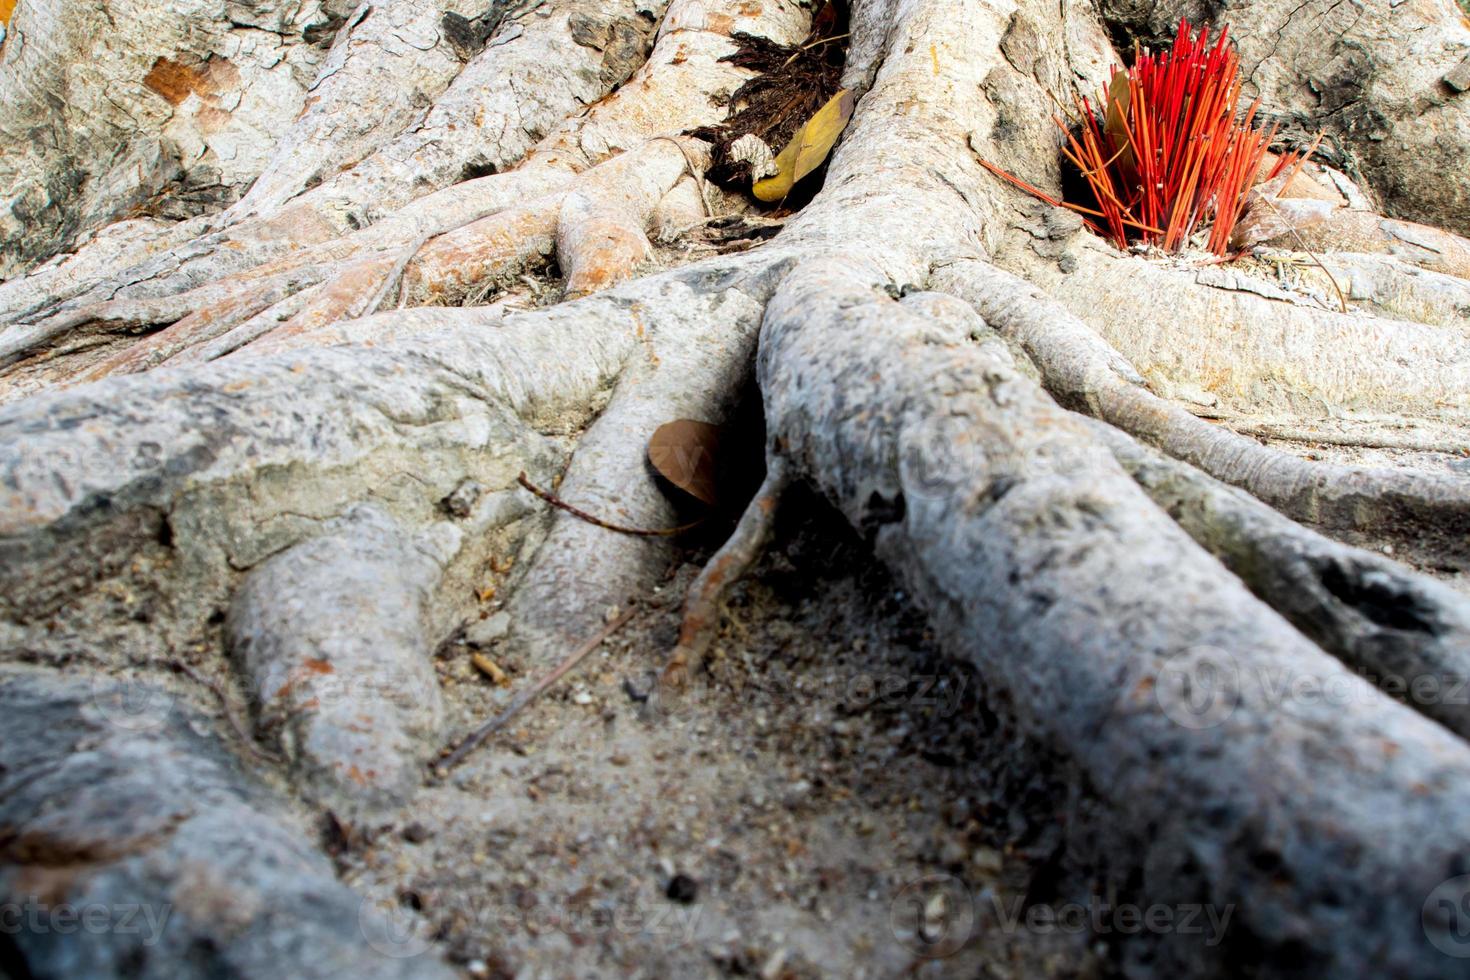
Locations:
(560, 504)
(475, 738)
(227, 709)
(702, 608)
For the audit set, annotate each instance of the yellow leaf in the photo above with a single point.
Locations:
(7, 7)
(1115, 123)
(808, 148)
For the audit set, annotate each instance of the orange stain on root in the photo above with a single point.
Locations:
(176, 81)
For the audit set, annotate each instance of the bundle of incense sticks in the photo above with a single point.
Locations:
(1168, 153)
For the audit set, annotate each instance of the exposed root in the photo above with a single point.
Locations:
(107, 111)
(683, 86)
(596, 244)
(1220, 333)
(1416, 436)
(390, 60)
(247, 332)
(205, 323)
(1083, 371)
(1395, 288)
(334, 630)
(591, 244)
(1036, 554)
(1407, 633)
(105, 803)
(510, 95)
(736, 555)
(1044, 563)
(697, 328)
(545, 62)
(235, 462)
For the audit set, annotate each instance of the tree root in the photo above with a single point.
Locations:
(105, 112)
(699, 327)
(736, 555)
(1251, 352)
(509, 91)
(335, 630)
(105, 805)
(187, 458)
(1119, 609)
(1224, 750)
(391, 58)
(545, 63)
(1082, 370)
(1407, 633)
(683, 86)
(1323, 228)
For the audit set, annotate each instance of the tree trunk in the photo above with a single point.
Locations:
(304, 301)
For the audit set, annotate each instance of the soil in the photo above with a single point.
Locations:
(833, 798)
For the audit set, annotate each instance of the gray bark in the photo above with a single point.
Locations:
(218, 462)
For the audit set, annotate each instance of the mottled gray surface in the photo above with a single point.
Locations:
(1404, 631)
(121, 799)
(231, 463)
(1325, 821)
(332, 637)
(135, 512)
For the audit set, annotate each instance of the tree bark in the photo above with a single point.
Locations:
(292, 423)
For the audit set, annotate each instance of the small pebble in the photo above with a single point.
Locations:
(682, 889)
(416, 833)
(485, 632)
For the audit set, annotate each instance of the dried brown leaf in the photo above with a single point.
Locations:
(685, 453)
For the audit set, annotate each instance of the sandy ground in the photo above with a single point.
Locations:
(834, 799)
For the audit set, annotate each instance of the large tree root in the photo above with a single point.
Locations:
(597, 248)
(550, 60)
(1036, 556)
(175, 467)
(499, 93)
(1082, 370)
(1256, 802)
(110, 106)
(113, 797)
(683, 86)
(160, 510)
(1257, 353)
(174, 480)
(334, 631)
(701, 327)
(1406, 633)
(389, 62)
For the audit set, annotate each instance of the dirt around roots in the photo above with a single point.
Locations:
(834, 799)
